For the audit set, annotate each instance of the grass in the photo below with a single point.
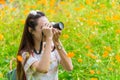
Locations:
(91, 35)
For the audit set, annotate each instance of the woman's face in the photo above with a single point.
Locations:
(38, 29)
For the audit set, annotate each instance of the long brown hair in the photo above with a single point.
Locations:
(27, 42)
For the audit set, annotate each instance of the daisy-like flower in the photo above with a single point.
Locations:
(33, 12)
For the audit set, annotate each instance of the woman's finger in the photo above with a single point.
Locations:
(59, 32)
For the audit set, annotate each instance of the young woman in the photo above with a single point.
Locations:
(41, 50)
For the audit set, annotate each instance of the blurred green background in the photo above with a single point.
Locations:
(91, 35)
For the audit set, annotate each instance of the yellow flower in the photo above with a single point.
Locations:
(70, 54)
(110, 69)
(94, 79)
(19, 58)
(51, 11)
(108, 18)
(65, 36)
(1, 37)
(1, 75)
(70, 0)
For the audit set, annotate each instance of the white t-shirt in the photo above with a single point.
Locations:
(53, 69)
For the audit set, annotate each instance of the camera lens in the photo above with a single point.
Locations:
(58, 25)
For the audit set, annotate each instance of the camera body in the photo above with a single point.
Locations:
(58, 25)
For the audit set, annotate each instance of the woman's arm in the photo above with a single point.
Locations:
(42, 66)
(65, 61)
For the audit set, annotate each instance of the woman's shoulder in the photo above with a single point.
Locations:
(24, 54)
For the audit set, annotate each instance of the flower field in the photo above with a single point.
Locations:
(91, 35)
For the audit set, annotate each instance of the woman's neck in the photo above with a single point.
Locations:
(37, 45)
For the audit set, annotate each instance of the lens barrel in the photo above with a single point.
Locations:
(58, 25)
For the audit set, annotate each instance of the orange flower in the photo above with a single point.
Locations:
(19, 58)
(1, 37)
(23, 21)
(52, 3)
(102, 5)
(91, 22)
(62, 2)
(78, 34)
(80, 60)
(118, 31)
(77, 9)
(87, 47)
(11, 1)
(117, 58)
(116, 17)
(91, 50)
(26, 11)
(94, 79)
(2, 1)
(105, 54)
(68, 14)
(92, 56)
(33, 7)
(70, 54)
(43, 2)
(108, 48)
(13, 9)
(92, 72)
(90, 1)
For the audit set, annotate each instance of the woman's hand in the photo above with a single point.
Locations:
(47, 30)
(56, 35)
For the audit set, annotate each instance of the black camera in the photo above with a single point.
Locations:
(58, 25)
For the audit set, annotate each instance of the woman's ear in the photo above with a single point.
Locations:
(30, 30)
